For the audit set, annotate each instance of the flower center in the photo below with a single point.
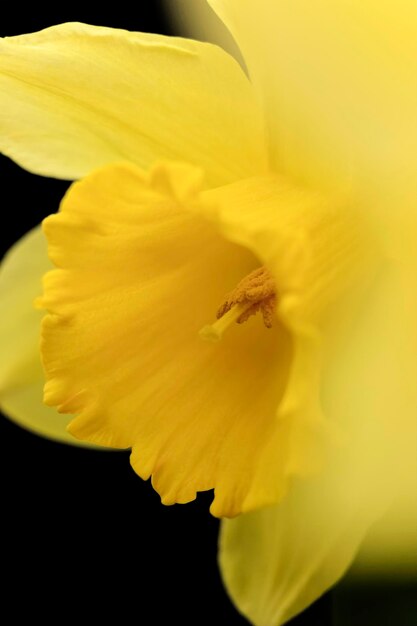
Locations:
(256, 292)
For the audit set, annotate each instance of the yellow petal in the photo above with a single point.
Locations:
(21, 373)
(74, 97)
(278, 561)
(339, 87)
(144, 262)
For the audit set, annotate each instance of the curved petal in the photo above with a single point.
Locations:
(74, 97)
(339, 87)
(277, 561)
(21, 373)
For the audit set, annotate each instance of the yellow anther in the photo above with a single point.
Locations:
(256, 292)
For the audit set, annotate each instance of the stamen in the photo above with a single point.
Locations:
(256, 292)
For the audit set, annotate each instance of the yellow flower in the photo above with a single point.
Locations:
(306, 172)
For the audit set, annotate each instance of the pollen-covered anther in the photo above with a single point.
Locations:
(256, 292)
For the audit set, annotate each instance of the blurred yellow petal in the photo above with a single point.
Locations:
(74, 97)
(339, 87)
(21, 373)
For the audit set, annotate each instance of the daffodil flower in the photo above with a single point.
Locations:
(283, 202)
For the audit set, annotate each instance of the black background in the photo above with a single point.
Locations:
(83, 537)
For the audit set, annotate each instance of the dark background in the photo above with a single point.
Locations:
(82, 536)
